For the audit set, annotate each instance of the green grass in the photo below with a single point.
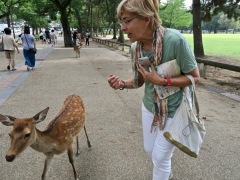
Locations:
(221, 45)
(225, 45)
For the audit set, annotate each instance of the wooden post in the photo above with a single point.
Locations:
(202, 70)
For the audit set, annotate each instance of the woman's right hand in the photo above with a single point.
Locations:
(115, 82)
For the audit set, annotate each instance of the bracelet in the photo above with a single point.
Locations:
(124, 85)
(169, 82)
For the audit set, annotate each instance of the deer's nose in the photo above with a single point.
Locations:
(10, 158)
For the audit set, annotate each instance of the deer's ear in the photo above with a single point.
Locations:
(41, 115)
(7, 120)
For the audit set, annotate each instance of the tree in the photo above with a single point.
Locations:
(110, 7)
(89, 10)
(213, 25)
(6, 9)
(121, 37)
(62, 6)
(225, 23)
(175, 15)
(197, 30)
(30, 13)
(78, 15)
(205, 10)
(211, 8)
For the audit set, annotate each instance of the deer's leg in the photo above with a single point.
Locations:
(89, 144)
(70, 156)
(47, 163)
(77, 146)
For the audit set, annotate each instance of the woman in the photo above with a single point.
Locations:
(53, 37)
(9, 48)
(87, 38)
(74, 38)
(29, 45)
(140, 21)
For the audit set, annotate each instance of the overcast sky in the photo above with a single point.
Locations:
(188, 3)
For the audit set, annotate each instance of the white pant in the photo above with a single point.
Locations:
(155, 144)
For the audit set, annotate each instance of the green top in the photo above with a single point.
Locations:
(176, 47)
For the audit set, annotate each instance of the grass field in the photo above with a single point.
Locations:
(225, 45)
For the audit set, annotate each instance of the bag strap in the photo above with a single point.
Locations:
(26, 42)
(194, 97)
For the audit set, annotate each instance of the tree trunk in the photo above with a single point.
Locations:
(97, 22)
(66, 29)
(33, 30)
(8, 20)
(79, 22)
(121, 37)
(197, 30)
(62, 7)
(91, 20)
(88, 15)
(114, 31)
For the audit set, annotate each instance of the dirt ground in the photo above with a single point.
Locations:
(229, 81)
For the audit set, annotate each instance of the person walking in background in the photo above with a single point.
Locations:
(19, 41)
(29, 47)
(41, 36)
(47, 35)
(74, 38)
(87, 38)
(53, 37)
(139, 19)
(9, 48)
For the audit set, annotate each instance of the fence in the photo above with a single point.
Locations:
(113, 44)
(202, 62)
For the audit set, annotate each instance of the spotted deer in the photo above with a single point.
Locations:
(56, 139)
(77, 48)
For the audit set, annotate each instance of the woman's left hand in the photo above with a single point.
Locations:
(153, 76)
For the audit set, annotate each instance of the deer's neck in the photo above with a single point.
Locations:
(42, 143)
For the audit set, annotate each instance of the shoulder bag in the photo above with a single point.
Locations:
(1, 45)
(34, 50)
(187, 131)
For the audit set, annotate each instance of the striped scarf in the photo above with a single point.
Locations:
(160, 109)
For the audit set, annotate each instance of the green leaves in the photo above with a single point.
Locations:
(211, 8)
(175, 15)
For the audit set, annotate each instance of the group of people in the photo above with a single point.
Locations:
(139, 19)
(28, 43)
(10, 46)
(76, 36)
(49, 37)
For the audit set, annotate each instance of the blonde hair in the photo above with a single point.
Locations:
(144, 8)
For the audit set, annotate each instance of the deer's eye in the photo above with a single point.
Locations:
(27, 135)
(10, 135)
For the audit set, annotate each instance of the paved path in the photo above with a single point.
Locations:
(10, 80)
(113, 120)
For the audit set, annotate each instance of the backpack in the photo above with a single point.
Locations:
(87, 35)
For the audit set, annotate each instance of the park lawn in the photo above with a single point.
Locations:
(225, 45)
